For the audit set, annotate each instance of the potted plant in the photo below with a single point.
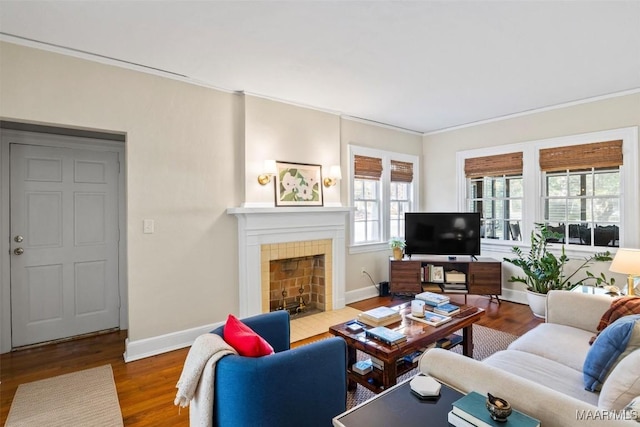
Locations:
(397, 244)
(544, 271)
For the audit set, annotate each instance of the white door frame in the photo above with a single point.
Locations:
(51, 140)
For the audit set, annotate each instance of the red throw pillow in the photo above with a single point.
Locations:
(244, 340)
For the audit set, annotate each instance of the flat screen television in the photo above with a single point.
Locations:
(442, 233)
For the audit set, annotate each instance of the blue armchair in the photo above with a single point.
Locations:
(306, 385)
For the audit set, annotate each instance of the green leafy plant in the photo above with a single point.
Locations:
(397, 242)
(543, 271)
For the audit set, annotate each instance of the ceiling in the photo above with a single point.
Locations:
(418, 65)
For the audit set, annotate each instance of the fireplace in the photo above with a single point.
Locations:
(267, 234)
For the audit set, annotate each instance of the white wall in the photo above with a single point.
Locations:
(440, 153)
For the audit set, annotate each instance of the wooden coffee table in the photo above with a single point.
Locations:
(419, 335)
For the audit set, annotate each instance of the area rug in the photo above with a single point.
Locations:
(85, 398)
(486, 342)
(316, 324)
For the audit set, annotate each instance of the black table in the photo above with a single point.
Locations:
(399, 407)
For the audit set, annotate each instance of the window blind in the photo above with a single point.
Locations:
(367, 167)
(582, 156)
(500, 164)
(401, 171)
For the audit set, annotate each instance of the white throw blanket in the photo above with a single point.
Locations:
(197, 378)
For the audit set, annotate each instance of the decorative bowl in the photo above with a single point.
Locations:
(498, 407)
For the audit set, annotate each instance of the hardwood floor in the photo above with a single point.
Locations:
(146, 388)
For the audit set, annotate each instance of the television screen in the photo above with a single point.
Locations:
(442, 233)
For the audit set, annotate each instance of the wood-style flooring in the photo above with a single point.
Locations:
(146, 388)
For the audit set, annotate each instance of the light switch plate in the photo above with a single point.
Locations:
(148, 226)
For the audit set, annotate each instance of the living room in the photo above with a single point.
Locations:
(192, 151)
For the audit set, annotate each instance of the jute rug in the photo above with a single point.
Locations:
(81, 399)
(316, 324)
(486, 342)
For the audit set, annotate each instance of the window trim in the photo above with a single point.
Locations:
(533, 207)
(385, 182)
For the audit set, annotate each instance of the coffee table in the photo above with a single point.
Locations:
(419, 336)
(398, 406)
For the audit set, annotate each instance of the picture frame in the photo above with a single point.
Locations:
(298, 184)
(437, 274)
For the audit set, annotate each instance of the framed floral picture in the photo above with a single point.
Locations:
(298, 184)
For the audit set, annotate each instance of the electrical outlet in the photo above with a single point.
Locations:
(363, 271)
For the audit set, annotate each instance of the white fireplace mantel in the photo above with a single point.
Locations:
(264, 225)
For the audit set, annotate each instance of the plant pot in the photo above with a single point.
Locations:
(538, 304)
(397, 254)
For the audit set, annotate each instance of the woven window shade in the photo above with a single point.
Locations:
(501, 164)
(583, 156)
(401, 171)
(367, 167)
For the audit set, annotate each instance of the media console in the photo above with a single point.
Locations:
(410, 276)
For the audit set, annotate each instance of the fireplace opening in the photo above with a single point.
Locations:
(297, 285)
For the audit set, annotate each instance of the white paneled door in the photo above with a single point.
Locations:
(64, 242)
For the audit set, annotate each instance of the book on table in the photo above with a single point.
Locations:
(472, 408)
(380, 316)
(432, 298)
(456, 421)
(447, 309)
(430, 318)
(386, 335)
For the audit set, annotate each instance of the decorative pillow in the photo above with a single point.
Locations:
(620, 307)
(622, 384)
(244, 340)
(613, 343)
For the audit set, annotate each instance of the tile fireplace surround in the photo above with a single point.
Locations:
(277, 233)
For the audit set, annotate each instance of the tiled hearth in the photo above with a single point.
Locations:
(276, 233)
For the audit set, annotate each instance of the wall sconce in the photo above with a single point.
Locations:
(269, 169)
(334, 175)
(627, 261)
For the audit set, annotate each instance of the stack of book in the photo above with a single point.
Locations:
(454, 288)
(471, 411)
(363, 367)
(447, 309)
(386, 335)
(433, 299)
(381, 316)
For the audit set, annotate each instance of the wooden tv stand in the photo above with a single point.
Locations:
(482, 276)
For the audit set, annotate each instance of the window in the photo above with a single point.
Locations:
(582, 193)
(584, 187)
(494, 188)
(383, 189)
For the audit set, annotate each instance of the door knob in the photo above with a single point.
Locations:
(18, 251)
(18, 238)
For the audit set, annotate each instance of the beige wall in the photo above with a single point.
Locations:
(383, 138)
(191, 153)
(440, 149)
(181, 154)
(284, 132)
(440, 156)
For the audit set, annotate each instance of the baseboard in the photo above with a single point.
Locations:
(360, 294)
(147, 347)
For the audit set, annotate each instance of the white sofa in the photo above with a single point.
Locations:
(541, 372)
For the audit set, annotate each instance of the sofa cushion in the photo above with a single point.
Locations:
(244, 340)
(612, 345)
(622, 384)
(540, 370)
(563, 344)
